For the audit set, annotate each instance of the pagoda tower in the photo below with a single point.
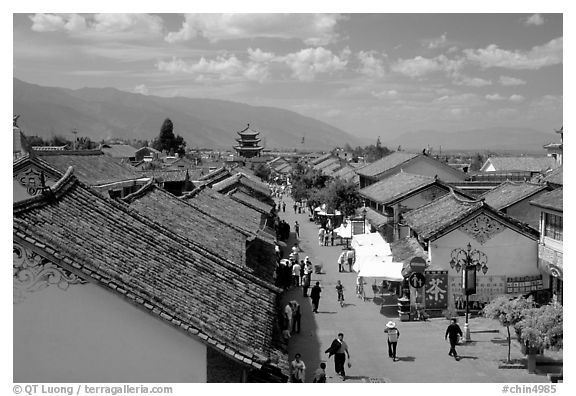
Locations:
(248, 143)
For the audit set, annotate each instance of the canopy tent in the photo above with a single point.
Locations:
(321, 211)
(345, 230)
(374, 258)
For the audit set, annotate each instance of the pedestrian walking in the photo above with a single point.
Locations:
(295, 207)
(393, 335)
(315, 296)
(277, 250)
(326, 238)
(296, 274)
(339, 349)
(321, 232)
(340, 291)
(320, 374)
(341, 261)
(297, 369)
(283, 206)
(350, 255)
(288, 314)
(332, 237)
(297, 229)
(296, 316)
(306, 279)
(453, 333)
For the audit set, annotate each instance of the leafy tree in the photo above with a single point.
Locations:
(509, 312)
(58, 140)
(166, 141)
(343, 196)
(477, 162)
(541, 328)
(263, 171)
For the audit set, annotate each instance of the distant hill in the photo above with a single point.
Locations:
(495, 139)
(101, 113)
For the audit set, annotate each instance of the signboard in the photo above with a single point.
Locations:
(469, 279)
(417, 280)
(436, 289)
(417, 264)
(487, 288)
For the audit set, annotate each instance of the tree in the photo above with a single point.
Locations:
(343, 196)
(509, 312)
(541, 328)
(166, 141)
(263, 171)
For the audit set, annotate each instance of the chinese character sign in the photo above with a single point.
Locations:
(436, 289)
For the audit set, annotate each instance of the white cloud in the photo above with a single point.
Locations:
(509, 81)
(471, 81)
(57, 22)
(516, 98)
(141, 89)
(309, 62)
(419, 66)
(370, 65)
(535, 19)
(437, 42)
(222, 68)
(101, 26)
(536, 58)
(495, 97)
(258, 55)
(312, 29)
(390, 93)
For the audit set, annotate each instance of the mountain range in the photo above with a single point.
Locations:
(521, 140)
(105, 113)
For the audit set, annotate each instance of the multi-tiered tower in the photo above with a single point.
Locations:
(248, 143)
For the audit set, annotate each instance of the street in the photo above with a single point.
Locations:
(422, 351)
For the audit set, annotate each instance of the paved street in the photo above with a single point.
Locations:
(422, 350)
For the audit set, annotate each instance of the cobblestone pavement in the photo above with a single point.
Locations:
(422, 350)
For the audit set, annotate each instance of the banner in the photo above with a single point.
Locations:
(436, 289)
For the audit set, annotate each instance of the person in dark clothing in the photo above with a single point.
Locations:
(297, 229)
(315, 296)
(297, 316)
(283, 206)
(295, 207)
(453, 332)
(339, 349)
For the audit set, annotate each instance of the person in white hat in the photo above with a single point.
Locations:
(393, 335)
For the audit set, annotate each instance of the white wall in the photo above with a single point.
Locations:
(510, 254)
(87, 334)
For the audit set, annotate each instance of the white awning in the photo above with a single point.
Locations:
(345, 230)
(374, 258)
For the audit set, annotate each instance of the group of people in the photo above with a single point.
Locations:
(339, 349)
(346, 257)
(325, 237)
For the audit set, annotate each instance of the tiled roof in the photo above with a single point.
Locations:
(186, 221)
(322, 158)
(386, 163)
(551, 200)
(375, 218)
(533, 164)
(230, 211)
(509, 193)
(119, 150)
(241, 178)
(555, 176)
(251, 202)
(165, 175)
(405, 249)
(218, 303)
(441, 214)
(28, 160)
(395, 187)
(90, 166)
(331, 169)
(216, 176)
(326, 163)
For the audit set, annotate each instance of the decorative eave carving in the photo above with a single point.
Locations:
(482, 228)
(32, 272)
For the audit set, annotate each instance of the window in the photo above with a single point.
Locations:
(553, 226)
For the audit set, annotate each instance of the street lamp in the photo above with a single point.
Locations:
(364, 217)
(469, 261)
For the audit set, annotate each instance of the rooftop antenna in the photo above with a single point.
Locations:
(75, 132)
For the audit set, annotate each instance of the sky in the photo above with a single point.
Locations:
(370, 74)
